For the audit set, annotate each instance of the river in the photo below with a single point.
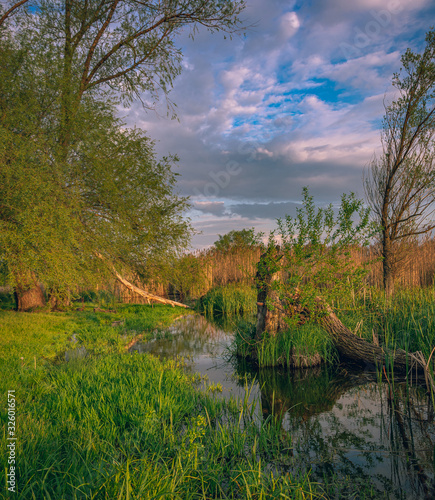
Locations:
(374, 438)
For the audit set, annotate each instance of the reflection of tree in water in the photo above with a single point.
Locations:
(347, 430)
(411, 431)
(191, 335)
(340, 424)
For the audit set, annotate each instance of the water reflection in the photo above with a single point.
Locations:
(368, 439)
(204, 348)
(348, 426)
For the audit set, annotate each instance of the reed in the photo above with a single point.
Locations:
(195, 274)
(234, 299)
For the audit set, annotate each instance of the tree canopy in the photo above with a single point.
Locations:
(238, 239)
(315, 252)
(75, 182)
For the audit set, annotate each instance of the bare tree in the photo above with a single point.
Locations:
(400, 183)
(9, 12)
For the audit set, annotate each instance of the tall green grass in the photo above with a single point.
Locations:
(121, 426)
(231, 300)
(133, 427)
(405, 321)
(297, 347)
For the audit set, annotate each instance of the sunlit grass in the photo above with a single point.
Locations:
(116, 426)
(405, 321)
(297, 347)
(231, 300)
(35, 339)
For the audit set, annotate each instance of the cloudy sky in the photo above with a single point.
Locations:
(296, 102)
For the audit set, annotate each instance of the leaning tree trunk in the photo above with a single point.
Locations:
(271, 313)
(138, 290)
(147, 295)
(357, 349)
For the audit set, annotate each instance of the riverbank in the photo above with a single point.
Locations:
(114, 425)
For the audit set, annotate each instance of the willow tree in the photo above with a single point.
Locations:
(400, 184)
(65, 66)
(116, 199)
(122, 46)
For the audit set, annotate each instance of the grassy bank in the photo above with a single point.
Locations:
(114, 425)
(406, 321)
(41, 339)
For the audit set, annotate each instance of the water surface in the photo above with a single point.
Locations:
(370, 438)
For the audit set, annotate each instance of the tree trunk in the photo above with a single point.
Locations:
(28, 299)
(357, 349)
(387, 265)
(58, 303)
(269, 319)
(272, 320)
(138, 290)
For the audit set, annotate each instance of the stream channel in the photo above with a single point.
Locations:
(344, 425)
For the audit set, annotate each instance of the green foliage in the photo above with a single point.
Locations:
(230, 300)
(316, 250)
(6, 300)
(297, 347)
(111, 195)
(186, 275)
(74, 181)
(239, 240)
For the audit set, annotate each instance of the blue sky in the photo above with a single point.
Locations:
(297, 101)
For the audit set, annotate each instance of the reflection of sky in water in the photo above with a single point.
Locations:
(340, 422)
(204, 347)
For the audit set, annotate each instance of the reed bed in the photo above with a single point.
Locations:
(199, 272)
(405, 321)
(235, 299)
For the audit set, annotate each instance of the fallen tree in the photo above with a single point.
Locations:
(313, 266)
(145, 294)
(138, 290)
(355, 348)
(272, 312)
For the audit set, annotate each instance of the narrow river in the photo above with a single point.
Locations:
(343, 422)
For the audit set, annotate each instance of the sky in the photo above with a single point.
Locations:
(297, 101)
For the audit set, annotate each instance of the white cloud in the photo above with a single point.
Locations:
(308, 114)
(289, 25)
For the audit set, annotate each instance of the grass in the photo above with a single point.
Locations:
(121, 426)
(40, 339)
(297, 347)
(407, 321)
(231, 300)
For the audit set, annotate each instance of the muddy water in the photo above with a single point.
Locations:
(370, 439)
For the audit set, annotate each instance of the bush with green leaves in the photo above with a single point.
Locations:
(315, 255)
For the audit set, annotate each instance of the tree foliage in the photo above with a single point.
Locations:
(241, 239)
(74, 180)
(314, 256)
(400, 185)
